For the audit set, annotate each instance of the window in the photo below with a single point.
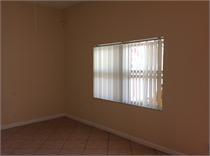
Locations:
(130, 73)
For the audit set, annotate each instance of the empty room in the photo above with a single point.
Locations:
(104, 77)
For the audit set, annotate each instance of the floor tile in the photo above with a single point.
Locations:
(47, 151)
(140, 149)
(75, 144)
(12, 144)
(77, 151)
(120, 152)
(23, 151)
(95, 151)
(67, 137)
(7, 151)
(29, 144)
(119, 144)
(97, 144)
(52, 144)
(58, 136)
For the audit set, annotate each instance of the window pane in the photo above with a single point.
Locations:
(131, 73)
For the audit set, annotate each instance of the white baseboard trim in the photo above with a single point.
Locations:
(125, 135)
(16, 124)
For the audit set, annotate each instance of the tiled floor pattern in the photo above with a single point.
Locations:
(65, 136)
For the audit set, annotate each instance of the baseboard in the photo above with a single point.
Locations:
(16, 124)
(127, 136)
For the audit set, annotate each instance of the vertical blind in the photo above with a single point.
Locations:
(130, 73)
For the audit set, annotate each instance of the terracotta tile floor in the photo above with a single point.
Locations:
(65, 136)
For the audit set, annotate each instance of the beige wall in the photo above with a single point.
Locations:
(183, 123)
(32, 62)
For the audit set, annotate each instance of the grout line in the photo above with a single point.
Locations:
(42, 143)
(131, 148)
(108, 142)
(44, 140)
(66, 139)
(62, 145)
(91, 131)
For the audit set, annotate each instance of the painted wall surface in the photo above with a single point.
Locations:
(182, 125)
(32, 62)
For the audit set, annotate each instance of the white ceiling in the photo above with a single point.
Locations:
(57, 4)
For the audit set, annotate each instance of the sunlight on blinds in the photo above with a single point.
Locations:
(130, 73)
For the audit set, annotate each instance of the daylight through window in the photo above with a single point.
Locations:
(130, 73)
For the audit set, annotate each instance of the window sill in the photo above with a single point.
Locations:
(137, 106)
